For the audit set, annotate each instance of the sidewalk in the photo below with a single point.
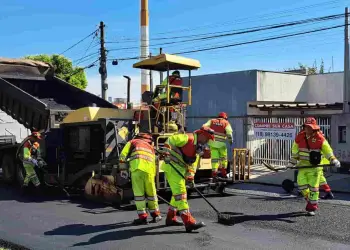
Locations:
(262, 175)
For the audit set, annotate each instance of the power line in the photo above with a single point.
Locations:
(79, 42)
(236, 21)
(93, 39)
(244, 43)
(247, 30)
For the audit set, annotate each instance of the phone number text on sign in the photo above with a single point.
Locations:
(279, 131)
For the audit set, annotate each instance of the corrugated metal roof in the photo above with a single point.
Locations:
(336, 106)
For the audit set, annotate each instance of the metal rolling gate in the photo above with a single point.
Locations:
(275, 151)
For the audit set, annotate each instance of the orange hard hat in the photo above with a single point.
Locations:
(207, 132)
(311, 122)
(36, 134)
(222, 115)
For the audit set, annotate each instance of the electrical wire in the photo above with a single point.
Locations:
(236, 21)
(71, 47)
(93, 39)
(246, 31)
(243, 43)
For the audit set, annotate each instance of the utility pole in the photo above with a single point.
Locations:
(346, 64)
(160, 73)
(103, 62)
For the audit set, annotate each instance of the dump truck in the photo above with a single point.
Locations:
(33, 96)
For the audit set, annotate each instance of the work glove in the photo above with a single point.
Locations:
(41, 164)
(35, 162)
(290, 164)
(190, 179)
(336, 163)
(124, 174)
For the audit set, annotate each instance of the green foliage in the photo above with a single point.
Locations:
(310, 70)
(64, 69)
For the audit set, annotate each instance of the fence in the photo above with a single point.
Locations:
(273, 151)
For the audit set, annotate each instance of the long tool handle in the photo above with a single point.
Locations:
(212, 206)
(164, 200)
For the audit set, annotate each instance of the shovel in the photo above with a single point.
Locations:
(225, 218)
(284, 168)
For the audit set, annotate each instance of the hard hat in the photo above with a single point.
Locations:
(207, 132)
(176, 73)
(36, 134)
(173, 128)
(311, 122)
(222, 115)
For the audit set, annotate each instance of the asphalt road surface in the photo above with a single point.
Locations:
(265, 220)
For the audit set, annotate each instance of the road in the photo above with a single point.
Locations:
(265, 220)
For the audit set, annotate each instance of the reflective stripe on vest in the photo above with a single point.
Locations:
(142, 150)
(188, 150)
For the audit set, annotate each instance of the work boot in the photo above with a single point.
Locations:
(156, 219)
(195, 226)
(190, 222)
(140, 221)
(171, 219)
(328, 196)
(311, 213)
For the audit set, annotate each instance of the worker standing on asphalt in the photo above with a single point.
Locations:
(218, 148)
(142, 166)
(307, 150)
(183, 152)
(323, 181)
(31, 154)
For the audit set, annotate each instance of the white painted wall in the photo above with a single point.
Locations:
(341, 150)
(274, 86)
(321, 88)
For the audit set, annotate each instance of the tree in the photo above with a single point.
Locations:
(310, 70)
(64, 69)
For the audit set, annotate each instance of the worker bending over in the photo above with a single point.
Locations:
(138, 157)
(218, 148)
(31, 154)
(183, 152)
(307, 150)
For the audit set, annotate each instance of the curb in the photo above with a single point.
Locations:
(277, 185)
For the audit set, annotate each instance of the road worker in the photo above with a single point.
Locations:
(223, 132)
(31, 155)
(138, 157)
(183, 152)
(307, 150)
(323, 182)
(175, 93)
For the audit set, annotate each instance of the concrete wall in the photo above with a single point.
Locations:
(228, 92)
(274, 86)
(322, 88)
(9, 126)
(341, 150)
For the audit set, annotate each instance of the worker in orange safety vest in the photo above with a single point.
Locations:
(323, 181)
(138, 157)
(183, 152)
(223, 133)
(307, 150)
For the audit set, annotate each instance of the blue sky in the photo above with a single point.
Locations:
(34, 27)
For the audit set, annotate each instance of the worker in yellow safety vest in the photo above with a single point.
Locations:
(307, 150)
(223, 132)
(182, 153)
(175, 80)
(31, 154)
(323, 181)
(138, 157)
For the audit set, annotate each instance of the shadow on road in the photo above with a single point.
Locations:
(127, 234)
(269, 217)
(82, 229)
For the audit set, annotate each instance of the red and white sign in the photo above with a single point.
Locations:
(278, 131)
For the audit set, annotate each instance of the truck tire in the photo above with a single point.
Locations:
(8, 169)
(20, 175)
